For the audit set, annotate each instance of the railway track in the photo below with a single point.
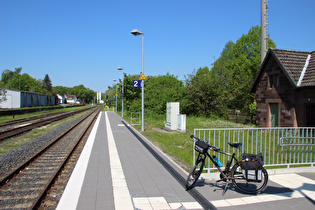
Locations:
(25, 186)
(23, 126)
(13, 122)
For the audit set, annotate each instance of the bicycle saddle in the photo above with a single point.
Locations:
(236, 144)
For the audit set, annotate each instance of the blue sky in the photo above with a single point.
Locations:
(84, 41)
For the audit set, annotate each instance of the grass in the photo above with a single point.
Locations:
(179, 145)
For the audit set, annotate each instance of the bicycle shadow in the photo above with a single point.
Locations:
(306, 189)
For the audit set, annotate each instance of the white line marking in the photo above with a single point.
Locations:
(70, 196)
(122, 198)
(297, 183)
(256, 199)
(153, 203)
(300, 185)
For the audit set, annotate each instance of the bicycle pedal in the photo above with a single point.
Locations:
(201, 179)
(220, 180)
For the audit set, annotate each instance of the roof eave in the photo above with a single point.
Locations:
(253, 87)
(262, 66)
(284, 70)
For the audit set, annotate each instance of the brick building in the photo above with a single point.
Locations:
(285, 89)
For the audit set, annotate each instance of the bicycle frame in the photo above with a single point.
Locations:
(233, 170)
(225, 175)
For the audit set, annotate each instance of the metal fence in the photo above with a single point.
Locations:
(279, 146)
(135, 118)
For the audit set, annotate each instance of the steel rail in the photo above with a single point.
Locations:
(56, 171)
(20, 129)
(23, 120)
(15, 170)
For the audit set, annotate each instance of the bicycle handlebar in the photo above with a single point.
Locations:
(216, 149)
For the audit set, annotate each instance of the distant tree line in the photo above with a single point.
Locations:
(24, 82)
(81, 92)
(17, 81)
(205, 92)
(158, 90)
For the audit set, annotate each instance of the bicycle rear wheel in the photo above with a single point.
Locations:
(249, 187)
(195, 171)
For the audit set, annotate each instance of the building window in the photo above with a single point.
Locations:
(274, 81)
(270, 81)
(277, 80)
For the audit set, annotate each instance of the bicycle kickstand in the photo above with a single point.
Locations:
(225, 187)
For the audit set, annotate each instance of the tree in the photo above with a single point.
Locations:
(28, 83)
(2, 94)
(7, 75)
(47, 83)
(132, 97)
(204, 95)
(14, 80)
(227, 84)
(83, 93)
(108, 96)
(162, 89)
(60, 90)
(158, 91)
(242, 68)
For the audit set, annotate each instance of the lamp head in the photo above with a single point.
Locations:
(136, 32)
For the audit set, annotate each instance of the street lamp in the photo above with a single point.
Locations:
(136, 32)
(122, 92)
(116, 94)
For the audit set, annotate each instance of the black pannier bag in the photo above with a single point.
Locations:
(201, 146)
(251, 165)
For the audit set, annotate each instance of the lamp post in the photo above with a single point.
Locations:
(116, 94)
(136, 32)
(122, 92)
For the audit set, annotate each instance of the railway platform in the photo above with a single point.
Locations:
(120, 169)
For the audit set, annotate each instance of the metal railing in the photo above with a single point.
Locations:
(135, 118)
(279, 146)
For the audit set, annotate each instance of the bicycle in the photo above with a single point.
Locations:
(245, 180)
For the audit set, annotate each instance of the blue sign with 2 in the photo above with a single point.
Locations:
(136, 84)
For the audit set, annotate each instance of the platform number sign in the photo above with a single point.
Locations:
(136, 84)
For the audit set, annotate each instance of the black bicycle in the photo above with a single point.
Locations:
(247, 174)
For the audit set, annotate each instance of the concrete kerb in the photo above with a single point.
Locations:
(216, 175)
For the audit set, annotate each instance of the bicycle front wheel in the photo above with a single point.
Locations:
(246, 186)
(195, 172)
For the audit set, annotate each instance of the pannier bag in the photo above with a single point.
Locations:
(201, 146)
(251, 165)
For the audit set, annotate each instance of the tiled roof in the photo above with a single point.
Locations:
(71, 97)
(309, 78)
(293, 63)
